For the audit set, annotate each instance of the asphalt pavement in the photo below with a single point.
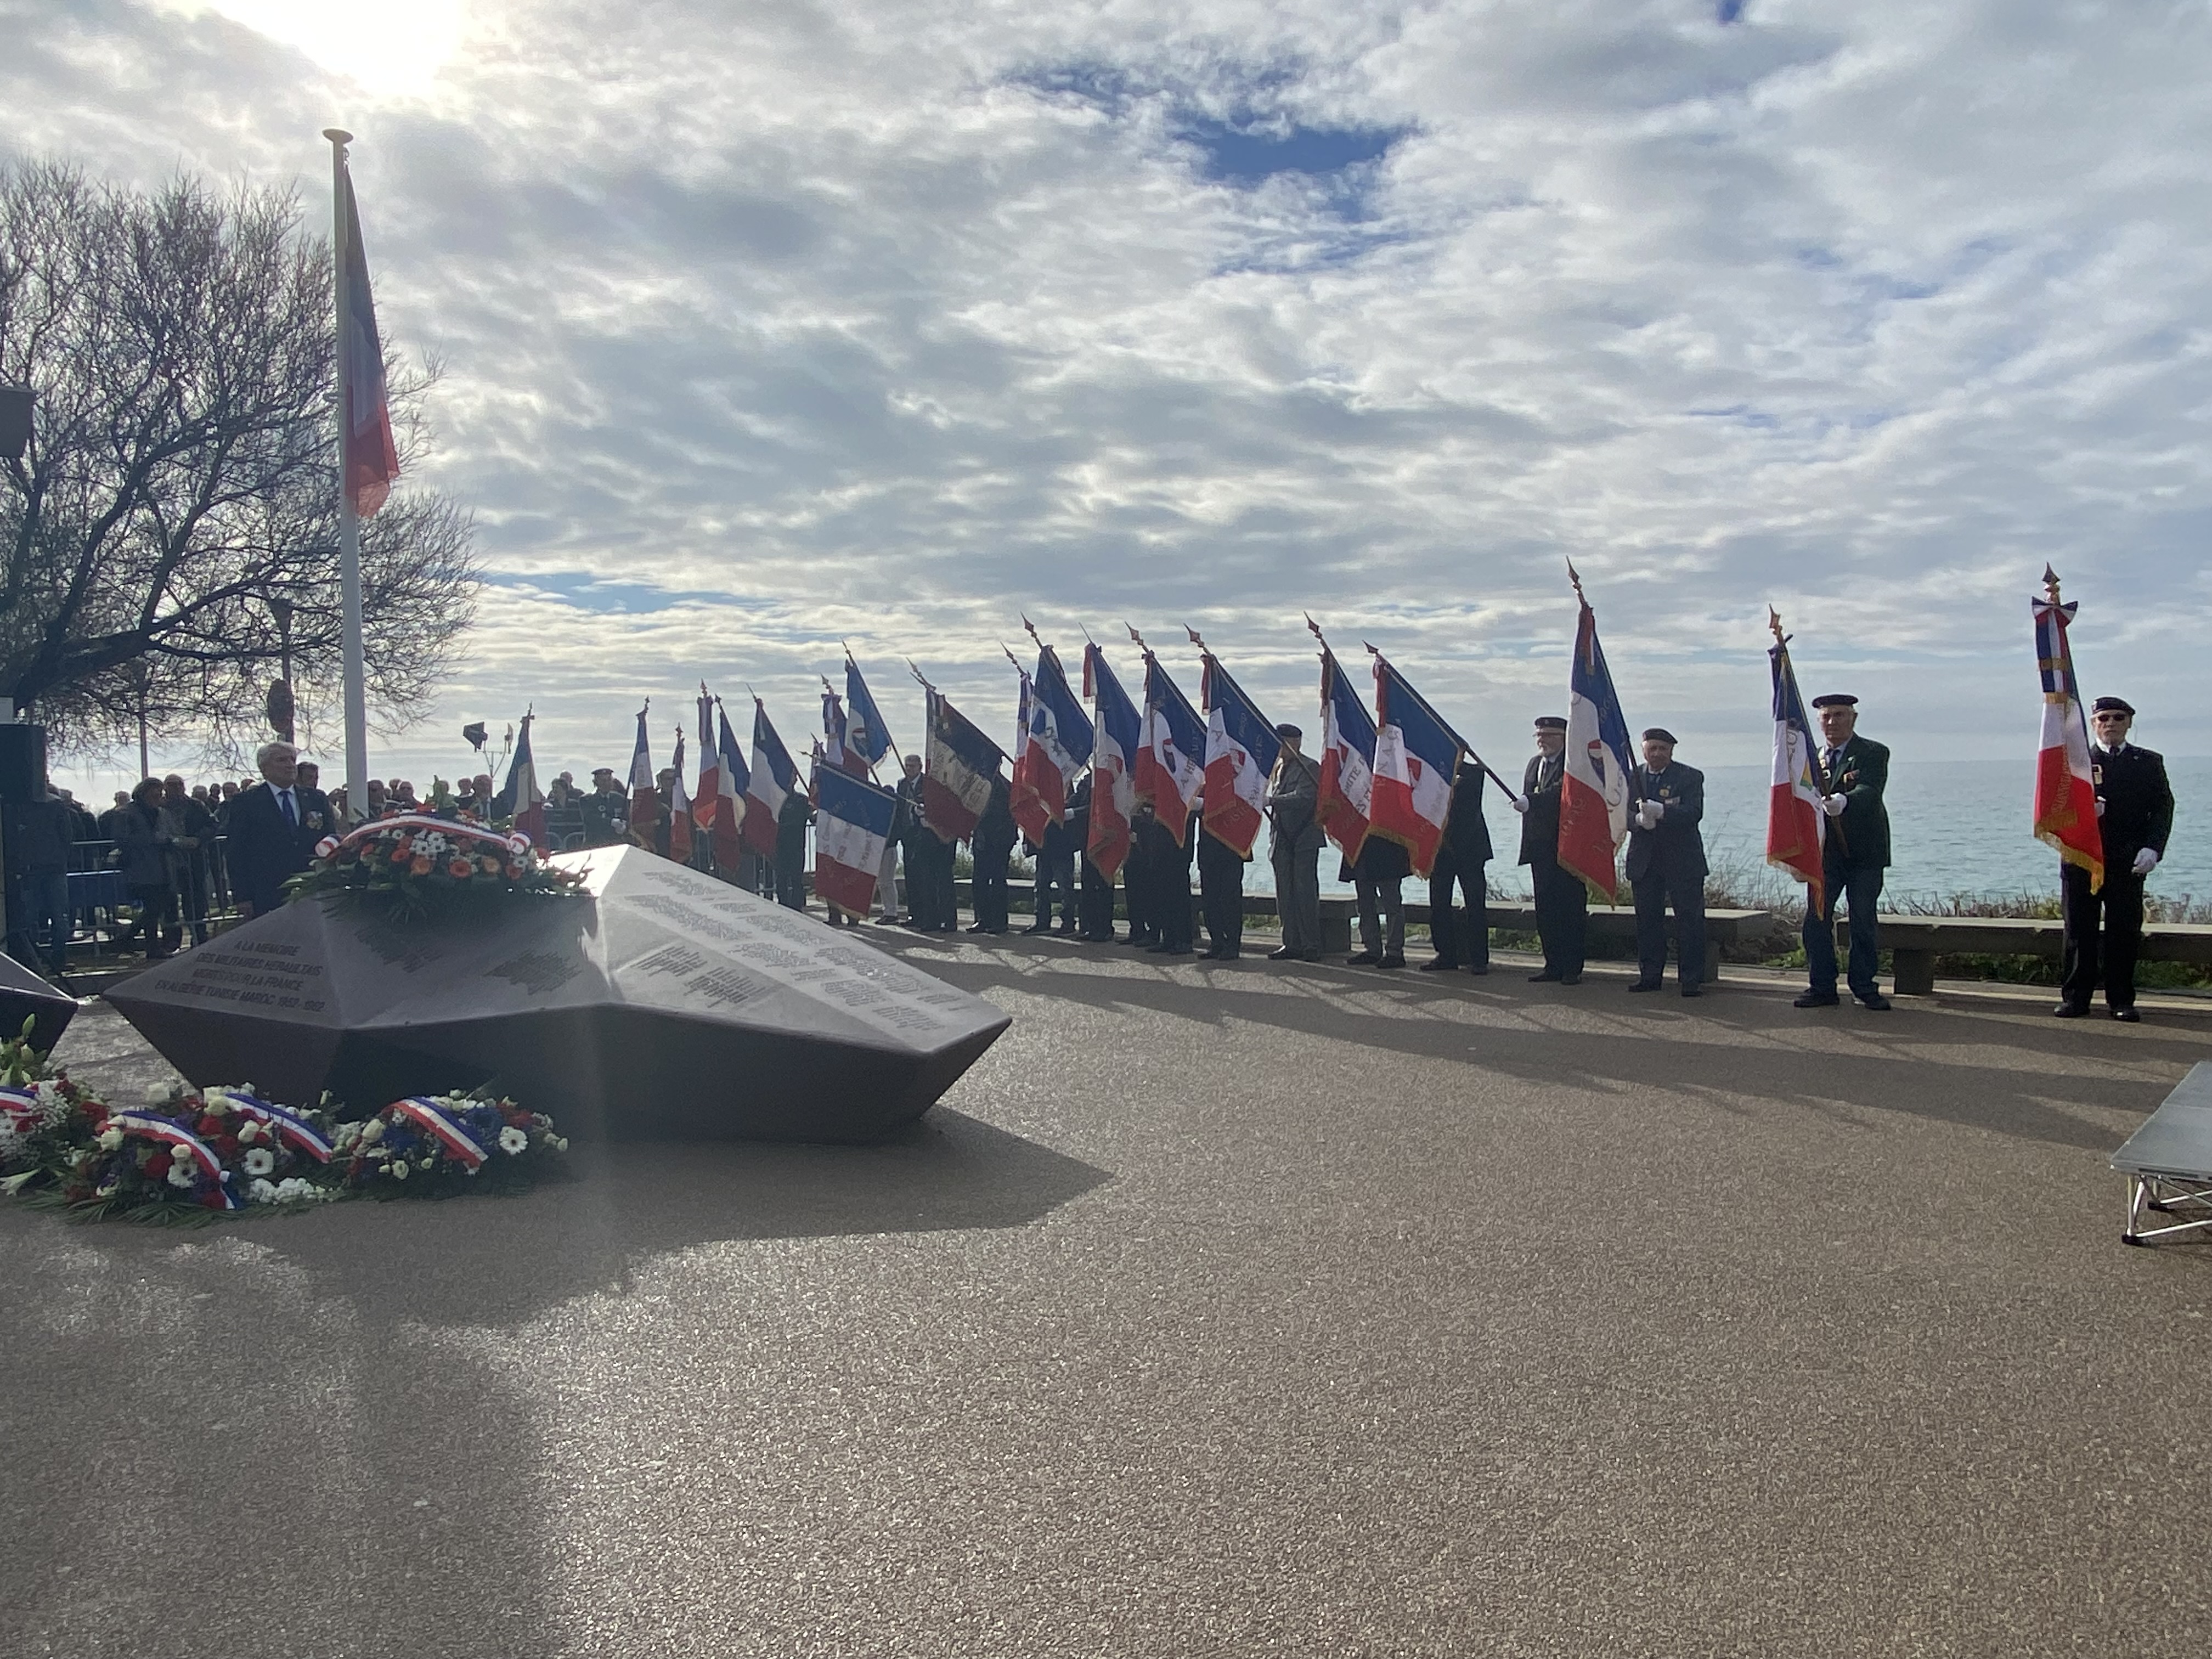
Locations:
(1221, 1310)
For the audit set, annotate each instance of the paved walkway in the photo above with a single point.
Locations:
(1219, 1310)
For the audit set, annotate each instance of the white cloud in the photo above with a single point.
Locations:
(794, 323)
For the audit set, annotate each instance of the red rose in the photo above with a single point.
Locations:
(460, 869)
(209, 1125)
(157, 1167)
(224, 1146)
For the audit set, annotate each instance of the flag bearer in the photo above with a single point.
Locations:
(1463, 857)
(1852, 861)
(2134, 816)
(1667, 864)
(1562, 901)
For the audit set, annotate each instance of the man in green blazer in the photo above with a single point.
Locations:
(1856, 852)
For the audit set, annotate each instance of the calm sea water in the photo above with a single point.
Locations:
(1960, 827)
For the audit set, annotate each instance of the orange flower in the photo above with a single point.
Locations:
(490, 866)
(420, 866)
(460, 869)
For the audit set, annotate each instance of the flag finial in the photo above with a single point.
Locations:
(1139, 639)
(1029, 627)
(1577, 581)
(1196, 640)
(2050, 584)
(1012, 658)
(1314, 628)
(921, 677)
(1774, 626)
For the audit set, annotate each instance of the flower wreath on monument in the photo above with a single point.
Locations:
(187, 1157)
(417, 866)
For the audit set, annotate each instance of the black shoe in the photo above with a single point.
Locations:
(1571, 979)
(1064, 928)
(1479, 972)
(1173, 950)
(1391, 962)
(1285, 954)
(978, 928)
(2127, 1016)
(1547, 978)
(1038, 927)
(1438, 965)
(1646, 985)
(1363, 959)
(1876, 1004)
(1693, 990)
(2071, 1011)
(1817, 999)
(1309, 955)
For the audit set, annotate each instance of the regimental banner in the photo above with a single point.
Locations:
(852, 826)
(2065, 786)
(1796, 828)
(644, 796)
(1032, 813)
(867, 734)
(1416, 755)
(1057, 749)
(1594, 781)
(1117, 736)
(705, 804)
(1241, 747)
(1171, 753)
(1346, 797)
(960, 766)
(772, 777)
(733, 779)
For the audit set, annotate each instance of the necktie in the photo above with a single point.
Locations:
(291, 817)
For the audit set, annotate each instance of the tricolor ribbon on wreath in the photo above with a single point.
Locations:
(428, 1116)
(513, 846)
(295, 1132)
(179, 1141)
(20, 1108)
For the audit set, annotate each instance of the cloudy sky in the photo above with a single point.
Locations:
(770, 325)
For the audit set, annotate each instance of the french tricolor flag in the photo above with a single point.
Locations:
(644, 796)
(773, 777)
(2065, 786)
(1415, 755)
(1795, 827)
(1241, 747)
(1593, 783)
(1346, 793)
(961, 766)
(852, 825)
(1171, 752)
(732, 778)
(1117, 734)
(708, 800)
(1057, 748)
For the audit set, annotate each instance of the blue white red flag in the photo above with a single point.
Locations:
(733, 777)
(704, 803)
(866, 734)
(679, 808)
(1117, 734)
(960, 766)
(1241, 747)
(1345, 796)
(773, 777)
(1170, 751)
(1594, 781)
(1797, 829)
(1058, 748)
(367, 455)
(1416, 755)
(521, 800)
(644, 798)
(2065, 785)
(836, 748)
(1030, 812)
(852, 826)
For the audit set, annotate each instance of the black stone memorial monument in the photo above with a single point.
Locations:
(664, 1003)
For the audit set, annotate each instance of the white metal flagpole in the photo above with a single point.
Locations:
(356, 669)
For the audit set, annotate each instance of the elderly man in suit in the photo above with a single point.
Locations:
(1667, 865)
(1562, 901)
(1853, 858)
(1462, 941)
(2134, 816)
(273, 830)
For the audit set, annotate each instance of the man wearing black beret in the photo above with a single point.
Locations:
(1667, 864)
(1562, 901)
(1852, 858)
(2134, 816)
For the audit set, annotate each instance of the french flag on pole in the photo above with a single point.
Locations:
(835, 748)
(732, 779)
(773, 777)
(644, 798)
(960, 766)
(1170, 763)
(2065, 787)
(371, 462)
(1031, 813)
(1058, 748)
(1593, 783)
(1797, 829)
(679, 808)
(851, 824)
(522, 800)
(1117, 735)
(867, 734)
(1241, 747)
(1345, 796)
(1415, 755)
(709, 795)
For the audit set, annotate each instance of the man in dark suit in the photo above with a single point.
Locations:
(1461, 858)
(1562, 901)
(1221, 894)
(991, 845)
(273, 830)
(1667, 865)
(1856, 852)
(2134, 816)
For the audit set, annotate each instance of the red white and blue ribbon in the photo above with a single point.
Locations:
(427, 1116)
(180, 1141)
(293, 1130)
(513, 846)
(21, 1107)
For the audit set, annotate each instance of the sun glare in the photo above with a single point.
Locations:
(393, 49)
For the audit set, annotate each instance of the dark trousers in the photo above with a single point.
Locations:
(1095, 906)
(1142, 892)
(1654, 892)
(155, 921)
(41, 920)
(2107, 924)
(1460, 939)
(990, 891)
(791, 886)
(1562, 915)
(191, 879)
(947, 901)
(1177, 922)
(1221, 896)
(1055, 882)
(922, 883)
(1860, 891)
(1382, 934)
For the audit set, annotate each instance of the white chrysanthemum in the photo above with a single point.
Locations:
(260, 1161)
(399, 1168)
(262, 1192)
(513, 1141)
(157, 1094)
(248, 1133)
(561, 1143)
(215, 1097)
(372, 1132)
(110, 1139)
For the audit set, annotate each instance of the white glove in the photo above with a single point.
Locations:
(1833, 805)
(2101, 808)
(1520, 804)
(2146, 861)
(1655, 810)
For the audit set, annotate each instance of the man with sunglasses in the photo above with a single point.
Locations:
(2134, 816)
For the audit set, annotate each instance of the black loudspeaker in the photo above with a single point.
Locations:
(22, 762)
